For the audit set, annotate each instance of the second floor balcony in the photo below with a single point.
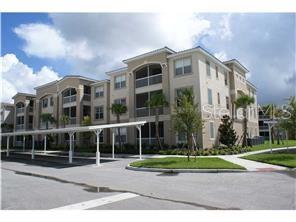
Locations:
(19, 127)
(146, 111)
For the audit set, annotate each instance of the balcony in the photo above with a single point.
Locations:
(30, 126)
(20, 127)
(146, 111)
(69, 99)
(20, 110)
(150, 80)
(262, 128)
(31, 109)
(86, 97)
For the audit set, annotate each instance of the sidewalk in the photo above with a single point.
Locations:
(253, 165)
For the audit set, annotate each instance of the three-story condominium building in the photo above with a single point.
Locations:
(215, 84)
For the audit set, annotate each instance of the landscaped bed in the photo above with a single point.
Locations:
(183, 163)
(285, 158)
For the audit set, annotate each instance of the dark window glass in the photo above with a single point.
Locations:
(141, 100)
(141, 73)
(154, 69)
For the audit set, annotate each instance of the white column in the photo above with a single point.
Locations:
(113, 141)
(24, 143)
(70, 149)
(33, 148)
(45, 144)
(140, 142)
(98, 147)
(7, 146)
(269, 130)
(73, 144)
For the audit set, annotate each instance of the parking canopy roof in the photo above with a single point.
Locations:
(75, 129)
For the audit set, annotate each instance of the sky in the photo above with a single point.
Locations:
(37, 48)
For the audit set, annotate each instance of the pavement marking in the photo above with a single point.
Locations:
(97, 202)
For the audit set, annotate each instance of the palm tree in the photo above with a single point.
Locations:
(118, 109)
(156, 102)
(64, 119)
(47, 118)
(243, 102)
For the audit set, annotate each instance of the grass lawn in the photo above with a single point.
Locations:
(282, 158)
(182, 163)
(275, 145)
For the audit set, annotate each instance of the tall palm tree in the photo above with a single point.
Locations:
(243, 102)
(118, 109)
(47, 118)
(156, 102)
(64, 119)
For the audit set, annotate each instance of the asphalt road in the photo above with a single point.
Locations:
(51, 184)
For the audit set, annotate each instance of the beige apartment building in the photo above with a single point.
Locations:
(215, 84)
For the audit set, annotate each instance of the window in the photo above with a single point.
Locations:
(51, 101)
(212, 130)
(217, 72)
(120, 82)
(183, 66)
(225, 78)
(218, 98)
(208, 69)
(45, 102)
(86, 111)
(120, 101)
(99, 112)
(227, 102)
(210, 98)
(99, 91)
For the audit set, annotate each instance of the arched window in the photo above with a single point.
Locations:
(148, 75)
(69, 95)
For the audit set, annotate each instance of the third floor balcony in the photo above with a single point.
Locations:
(69, 99)
(150, 80)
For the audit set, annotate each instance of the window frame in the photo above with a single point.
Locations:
(208, 69)
(212, 130)
(183, 70)
(100, 93)
(121, 85)
(101, 112)
(210, 90)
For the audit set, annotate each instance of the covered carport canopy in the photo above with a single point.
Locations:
(97, 129)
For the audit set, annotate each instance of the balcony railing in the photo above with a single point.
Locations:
(150, 80)
(263, 127)
(30, 109)
(20, 110)
(72, 121)
(69, 99)
(86, 97)
(30, 126)
(146, 111)
(20, 127)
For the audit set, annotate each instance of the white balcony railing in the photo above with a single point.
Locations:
(20, 110)
(150, 80)
(20, 127)
(69, 99)
(146, 111)
(86, 97)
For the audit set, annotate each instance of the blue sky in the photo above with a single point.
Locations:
(41, 47)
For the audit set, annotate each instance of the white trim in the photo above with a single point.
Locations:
(117, 71)
(201, 50)
(157, 51)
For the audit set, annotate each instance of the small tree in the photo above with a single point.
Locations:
(118, 110)
(65, 120)
(243, 102)
(156, 102)
(288, 122)
(187, 119)
(228, 135)
(47, 118)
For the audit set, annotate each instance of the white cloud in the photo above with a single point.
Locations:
(95, 43)
(225, 32)
(45, 41)
(18, 77)
(221, 55)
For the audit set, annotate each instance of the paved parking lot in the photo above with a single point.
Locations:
(51, 183)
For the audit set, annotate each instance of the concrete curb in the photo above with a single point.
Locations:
(128, 167)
